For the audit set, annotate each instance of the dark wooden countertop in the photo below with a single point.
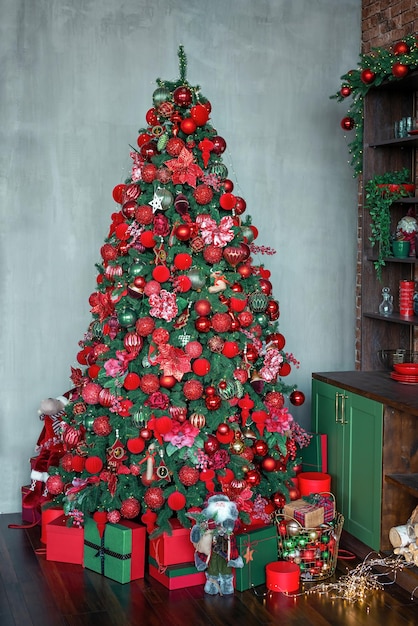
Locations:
(377, 386)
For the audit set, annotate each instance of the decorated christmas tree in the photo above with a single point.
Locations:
(182, 388)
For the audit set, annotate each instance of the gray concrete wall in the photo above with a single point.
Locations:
(77, 77)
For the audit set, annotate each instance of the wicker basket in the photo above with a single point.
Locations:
(315, 550)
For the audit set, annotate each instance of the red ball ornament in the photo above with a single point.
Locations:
(174, 146)
(128, 211)
(183, 232)
(154, 498)
(213, 403)
(188, 126)
(245, 318)
(145, 433)
(285, 369)
(230, 349)
(272, 307)
(260, 447)
(144, 215)
(202, 307)
(245, 271)
(182, 96)
(202, 324)
(135, 445)
(93, 371)
(268, 464)
(221, 322)
(265, 286)
(149, 383)
(347, 123)
(66, 462)
(143, 139)
(210, 391)
(201, 367)
(193, 349)
(400, 70)
(149, 172)
(161, 273)
(193, 389)
(294, 493)
(167, 382)
(345, 91)
(176, 501)
(90, 393)
(212, 254)
(211, 445)
(279, 501)
(240, 206)
(131, 381)
(367, 76)
(219, 144)
(188, 476)
(151, 117)
(93, 464)
(223, 429)
(145, 326)
(130, 508)
(102, 426)
(55, 485)
(277, 340)
(228, 185)
(199, 114)
(183, 261)
(203, 194)
(148, 150)
(147, 239)
(251, 353)
(227, 201)
(297, 398)
(253, 478)
(117, 193)
(140, 282)
(400, 48)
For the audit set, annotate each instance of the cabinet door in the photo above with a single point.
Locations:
(362, 488)
(326, 406)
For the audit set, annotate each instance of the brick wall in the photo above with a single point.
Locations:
(384, 23)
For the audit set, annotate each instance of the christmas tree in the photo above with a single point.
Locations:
(182, 387)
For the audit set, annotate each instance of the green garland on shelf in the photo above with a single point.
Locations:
(373, 69)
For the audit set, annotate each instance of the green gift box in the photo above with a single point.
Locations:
(258, 547)
(119, 554)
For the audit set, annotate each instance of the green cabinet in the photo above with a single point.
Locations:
(354, 427)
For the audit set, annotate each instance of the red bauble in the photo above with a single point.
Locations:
(149, 383)
(400, 70)
(149, 172)
(135, 445)
(131, 381)
(174, 146)
(143, 139)
(197, 420)
(245, 318)
(188, 126)
(145, 326)
(188, 476)
(154, 498)
(167, 382)
(230, 349)
(193, 389)
(93, 464)
(347, 123)
(285, 369)
(183, 232)
(130, 508)
(240, 206)
(93, 371)
(279, 501)
(228, 185)
(133, 342)
(176, 501)
(400, 48)
(219, 145)
(128, 210)
(265, 286)
(345, 91)
(91, 392)
(268, 464)
(201, 367)
(297, 398)
(199, 114)
(148, 150)
(182, 96)
(203, 194)
(55, 485)
(202, 324)
(213, 403)
(227, 201)
(367, 76)
(274, 399)
(251, 353)
(161, 273)
(223, 429)
(277, 340)
(253, 478)
(237, 288)
(193, 349)
(102, 426)
(183, 261)
(145, 433)
(212, 254)
(66, 462)
(236, 254)
(211, 444)
(144, 215)
(202, 307)
(260, 447)
(117, 193)
(244, 270)
(151, 117)
(221, 322)
(294, 493)
(147, 239)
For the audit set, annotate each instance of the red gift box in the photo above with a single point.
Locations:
(172, 549)
(65, 544)
(48, 515)
(29, 514)
(177, 576)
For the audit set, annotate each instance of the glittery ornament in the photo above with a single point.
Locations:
(113, 517)
(90, 393)
(55, 485)
(174, 146)
(130, 508)
(145, 326)
(203, 194)
(197, 420)
(102, 426)
(193, 389)
(144, 215)
(154, 498)
(188, 476)
(216, 344)
(221, 322)
(149, 383)
(212, 254)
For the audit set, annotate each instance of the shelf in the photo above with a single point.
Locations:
(409, 482)
(394, 259)
(404, 142)
(395, 318)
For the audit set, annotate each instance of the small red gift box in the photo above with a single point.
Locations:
(172, 549)
(29, 514)
(48, 515)
(177, 576)
(65, 544)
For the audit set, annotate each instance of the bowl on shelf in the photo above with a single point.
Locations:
(406, 368)
(388, 358)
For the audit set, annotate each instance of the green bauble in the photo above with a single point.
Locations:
(220, 170)
(88, 421)
(137, 269)
(262, 319)
(226, 389)
(160, 95)
(166, 198)
(196, 278)
(96, 329)
(257, 301)
(127, 318)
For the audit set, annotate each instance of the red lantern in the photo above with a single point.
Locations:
(400, 70)
(367, 76)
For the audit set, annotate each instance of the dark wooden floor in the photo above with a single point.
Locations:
(37, 592)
